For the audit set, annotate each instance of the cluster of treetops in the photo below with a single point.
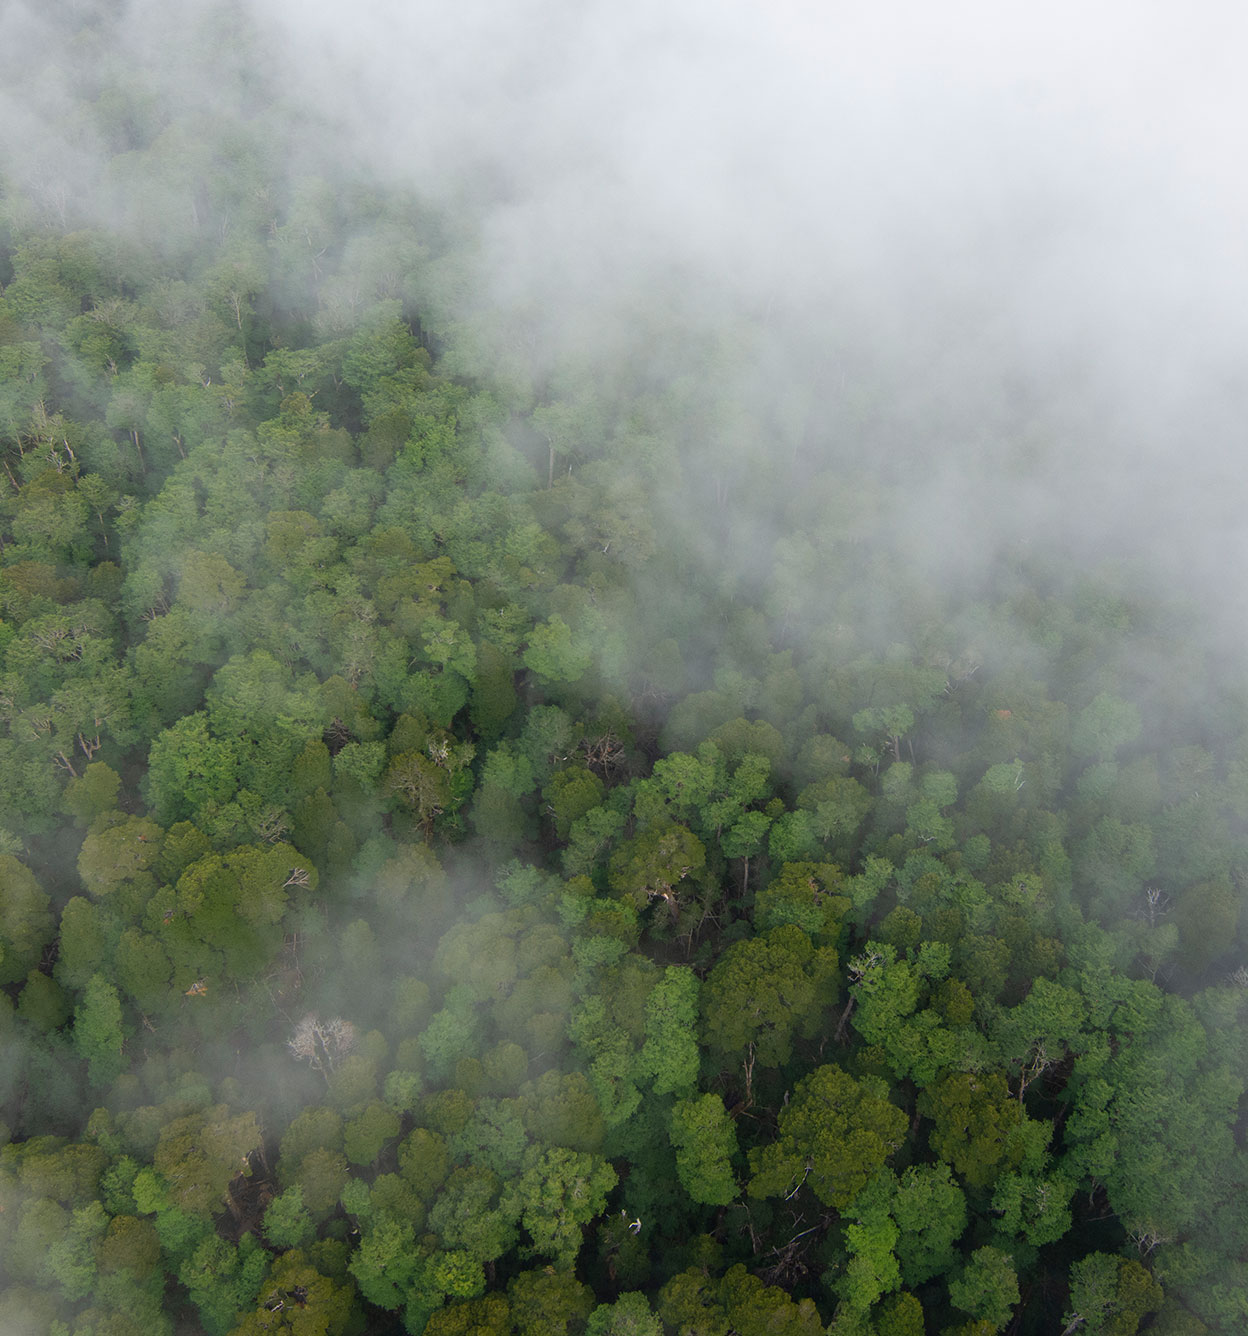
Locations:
(436, 899)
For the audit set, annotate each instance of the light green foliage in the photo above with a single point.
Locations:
(987, 1287)
(763, 990)
(199, 1154)
(1043, 1028)
(680, 785)
(188, 769)
(1105, 726)
(883, 727)
(931, 1215)
(386, 1263)
(753, 744)
(554, 654)
(589, 837)
(92, 793)
(917, 1043)
(228, 910)
(469, 1217)
(805, 894)
(508, 769)
(125, 851)
(258, 703)
(1112, 863)
(223, 1281)
(998, 792)
(694, 1304)
(570, 793)
(1033, 1206)
(1111, 1295)
(548, 1303)
(744, 838)
(748, 782)
(44, 1003)
(974, 1117)
(360, 762)
(561, 1110)
(1160, 1096)
(833, 1135)
(629, 1315)
(794, 838)
(669, 1056)
(886, 990)
(452, 1033)
(494, 1136)
(298, 1299)
(490, 1316)
(836, 808)
(705, 1142)
(366, 1133)
(130, 1245)
(167, 663)
(919, 1217)
(872, 1269)
(424, 1161)
(864, 888)
(21, 364)
(609, 1050)
(654, 863)
(449, 647)
(287, 1223)
(26, 922)
(558, 1192)
(70, 1259)
(98, 1034)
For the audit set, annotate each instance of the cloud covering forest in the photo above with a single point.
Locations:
(621, 679)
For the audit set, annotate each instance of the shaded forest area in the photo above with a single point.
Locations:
(470, 866)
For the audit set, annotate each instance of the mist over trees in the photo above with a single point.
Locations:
(614, 711)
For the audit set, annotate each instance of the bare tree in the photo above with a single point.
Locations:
(322, 1043)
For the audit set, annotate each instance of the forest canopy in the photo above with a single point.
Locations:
(503, 842)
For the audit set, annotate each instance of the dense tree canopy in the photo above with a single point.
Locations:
(435, 897)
